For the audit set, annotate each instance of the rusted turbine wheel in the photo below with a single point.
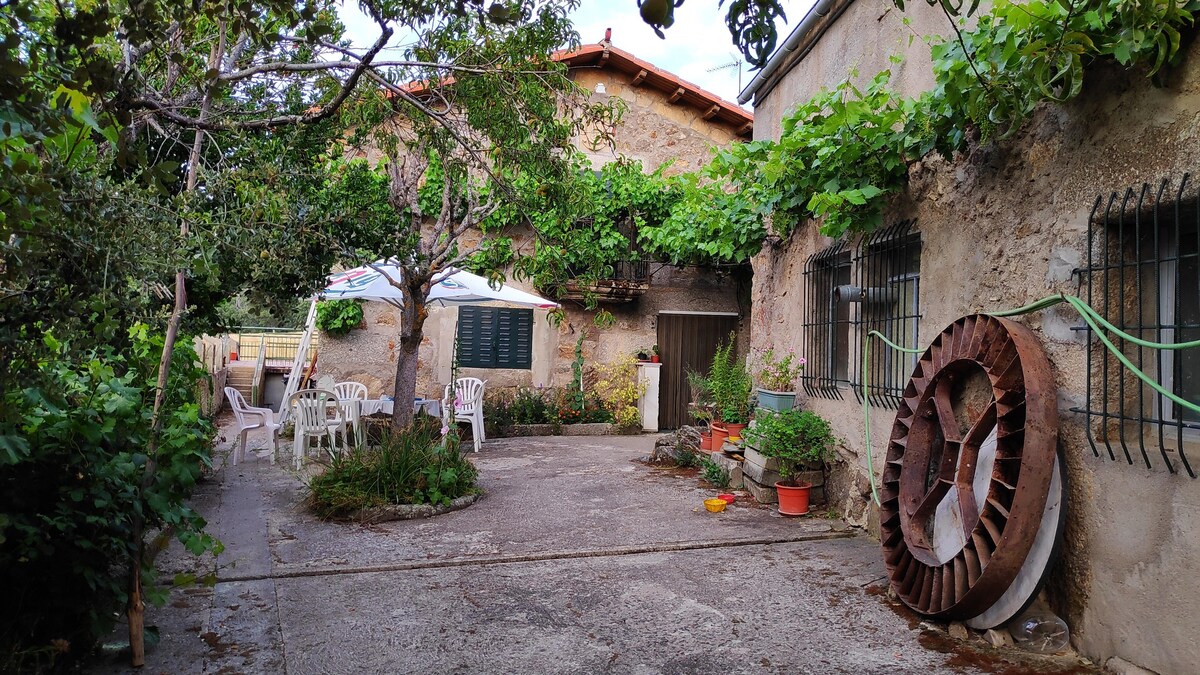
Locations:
(958, 523)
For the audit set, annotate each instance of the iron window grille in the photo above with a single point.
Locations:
(887, 297)
(826, 328)
(1143, 276)
(495, 337)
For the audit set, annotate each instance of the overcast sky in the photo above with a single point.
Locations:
(696, 48)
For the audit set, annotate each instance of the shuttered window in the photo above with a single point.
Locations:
(495, 337)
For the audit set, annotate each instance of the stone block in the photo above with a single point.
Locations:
(1119, 666)
(760, 474)
(958, 631)
(763, 494)
(758, 459)
(998, 637)
(731, 465)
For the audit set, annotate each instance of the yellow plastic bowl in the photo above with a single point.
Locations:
(715, 505)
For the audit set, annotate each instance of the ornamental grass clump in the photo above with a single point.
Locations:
(800, 440)
(415, 466)
(730, 384)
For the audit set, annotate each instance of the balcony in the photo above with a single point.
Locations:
(629, 281)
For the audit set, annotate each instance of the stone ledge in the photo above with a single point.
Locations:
(589, 429)
(383, 514)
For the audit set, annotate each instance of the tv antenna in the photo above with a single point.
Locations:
(734, 62)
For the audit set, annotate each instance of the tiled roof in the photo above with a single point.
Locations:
(679, 90)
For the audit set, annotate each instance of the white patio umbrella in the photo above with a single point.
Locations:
(451, 287)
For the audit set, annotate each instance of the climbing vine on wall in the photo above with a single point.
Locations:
(845, 151)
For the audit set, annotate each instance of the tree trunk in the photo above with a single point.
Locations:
(136, 609)
(412, 331)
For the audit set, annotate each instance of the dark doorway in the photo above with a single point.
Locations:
(686, 341)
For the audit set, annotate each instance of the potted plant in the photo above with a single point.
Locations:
(642, 355)
(655, 356)
(731, 388)
(800, 440)
(777, 379)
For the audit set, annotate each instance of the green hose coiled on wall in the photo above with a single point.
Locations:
(1091, 317)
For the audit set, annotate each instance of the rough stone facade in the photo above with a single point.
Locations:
(653, 131)
(1002, 227)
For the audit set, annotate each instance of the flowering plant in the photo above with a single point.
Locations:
(779, 373)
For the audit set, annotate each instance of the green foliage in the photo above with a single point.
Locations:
(72, 457)
(844, 152)
(338, 317)
(714, 473)
(799, 439)
(751, 24)
(708, 223)
(413, 466)
(578, 399)
(730, 384)
(504, 408)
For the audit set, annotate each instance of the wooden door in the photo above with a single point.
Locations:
(686, 341)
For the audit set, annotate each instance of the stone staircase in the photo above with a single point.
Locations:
(241, 377)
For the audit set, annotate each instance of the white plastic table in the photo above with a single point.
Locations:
(431, 406)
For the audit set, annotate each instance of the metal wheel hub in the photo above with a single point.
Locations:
(969, 467)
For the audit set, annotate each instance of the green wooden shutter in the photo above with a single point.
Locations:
(514, 338)
(491, 337)
(476, 337)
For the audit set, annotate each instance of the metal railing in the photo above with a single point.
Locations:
(276, 344)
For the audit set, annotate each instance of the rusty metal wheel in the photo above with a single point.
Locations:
(969, 466)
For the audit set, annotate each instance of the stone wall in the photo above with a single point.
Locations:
(653, 130)
(1001, 227)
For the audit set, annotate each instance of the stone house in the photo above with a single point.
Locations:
(666, 120)
(1072, 204)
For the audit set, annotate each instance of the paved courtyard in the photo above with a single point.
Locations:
(577, 559)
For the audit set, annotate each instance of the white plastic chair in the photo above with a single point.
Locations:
(310, 411)
(246, 418)
(349, 394)
(465, 398)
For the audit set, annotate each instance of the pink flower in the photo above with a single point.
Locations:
(802, 361)
(445, 430)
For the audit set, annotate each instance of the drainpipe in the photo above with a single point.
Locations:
(814, 16)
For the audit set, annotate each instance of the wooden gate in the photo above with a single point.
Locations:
(686, 341)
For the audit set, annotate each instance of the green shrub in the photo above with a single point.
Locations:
(714, 473)
(338, 317)
(730, 384)
(801, 439)
(72, 456)
(415, 466)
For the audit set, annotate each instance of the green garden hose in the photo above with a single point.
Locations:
(1091, 317)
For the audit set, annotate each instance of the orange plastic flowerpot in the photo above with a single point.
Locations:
(719, 434)
(793, 499)
(706, 441)
(735, 431)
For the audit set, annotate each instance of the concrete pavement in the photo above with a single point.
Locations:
(577, 559)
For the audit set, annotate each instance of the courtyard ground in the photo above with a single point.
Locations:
(578, 558)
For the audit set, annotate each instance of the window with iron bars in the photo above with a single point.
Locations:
(1143, 276)
(826, 327)
(849, 296)
(888, 298)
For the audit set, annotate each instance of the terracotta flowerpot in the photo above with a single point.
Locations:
(719, 434)
(655, 358)
(793, 499)
(735, 431)
(706, 441)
